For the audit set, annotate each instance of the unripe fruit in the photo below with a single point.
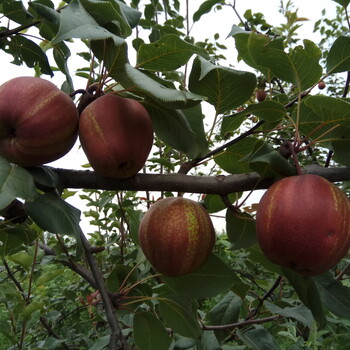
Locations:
(38, 121)
(116, 135)
(261, 95)
(303, 223)
(176, 235)
(321, 85)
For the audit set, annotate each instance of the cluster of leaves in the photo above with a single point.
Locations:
(57, 288)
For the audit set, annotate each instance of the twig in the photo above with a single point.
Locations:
(117, 340)
(17, 30)
(241, 324)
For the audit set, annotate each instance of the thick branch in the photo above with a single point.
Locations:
(221, 185)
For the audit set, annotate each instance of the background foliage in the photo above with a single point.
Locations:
(62, 288)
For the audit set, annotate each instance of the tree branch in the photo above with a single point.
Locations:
(221, 185)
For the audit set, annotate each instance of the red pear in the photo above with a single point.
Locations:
(303, 223)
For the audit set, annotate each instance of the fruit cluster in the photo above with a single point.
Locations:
(39, 123)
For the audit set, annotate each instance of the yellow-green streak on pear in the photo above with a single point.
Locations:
(176, 235)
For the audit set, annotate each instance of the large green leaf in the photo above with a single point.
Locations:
(15, 182)
(307, 290)
(212, 278)
(338, 59)
(166, 54)
(258, 339)
(172, 127)
(135, 80)
(178, 318)
(225, 88)
(334, 295)
(111, 14)
(240, 228)
(300, 313)
(300, 67)
(53, 214)
(344, 3)
(318, 114)
(226, 311)
(149, 332)
(76, 22)
(15, 11)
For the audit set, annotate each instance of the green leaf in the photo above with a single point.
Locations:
(344, 3)
(269, 163)
(172, 127)
(76, 22)
(338, 59)
(308, 293)
(257, 256)
(212, 278)
(334, 295)
(25, 50)
(300, 313)
(240, 228)
(32, 307)
(300, 67)
(232, 159)
(204, 8)
(107, 13)
(15, 182)
(167, 54)
(23, 259)
(61, 54)
(214, 203)
(48, 276)
(226, 311)
(54, 215)
(149, 332)
(258, 339)
(13, 237)
(137, 81)
(46, 178)
(178, 318)
(270, 111)
(226, 88)
(101, 343)
(195, 118)
(15, 11)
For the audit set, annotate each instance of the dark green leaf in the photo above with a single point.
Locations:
(240, 228)
(225, 88)
(15, 11)
(107, 12)
(47, 178)
(13, 237)
(257, 256)
(334, 295)
(15, 182)
(76, 22)
(300, 313)
(300, 67)
(308, 293)
(232, 122)
(149, 332)
(344, 3)
(338, 59)
(204, 8)
(214, 203)
(166, 54)
(172, 127)
(53, 214)
(25, 50)
(258, 339)
(212, 278)
(178, 318)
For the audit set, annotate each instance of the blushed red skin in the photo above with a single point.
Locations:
(176, 235)
(116, 135)
(38, 121)
(303, 223)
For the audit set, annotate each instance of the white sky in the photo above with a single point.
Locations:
(218, 22)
